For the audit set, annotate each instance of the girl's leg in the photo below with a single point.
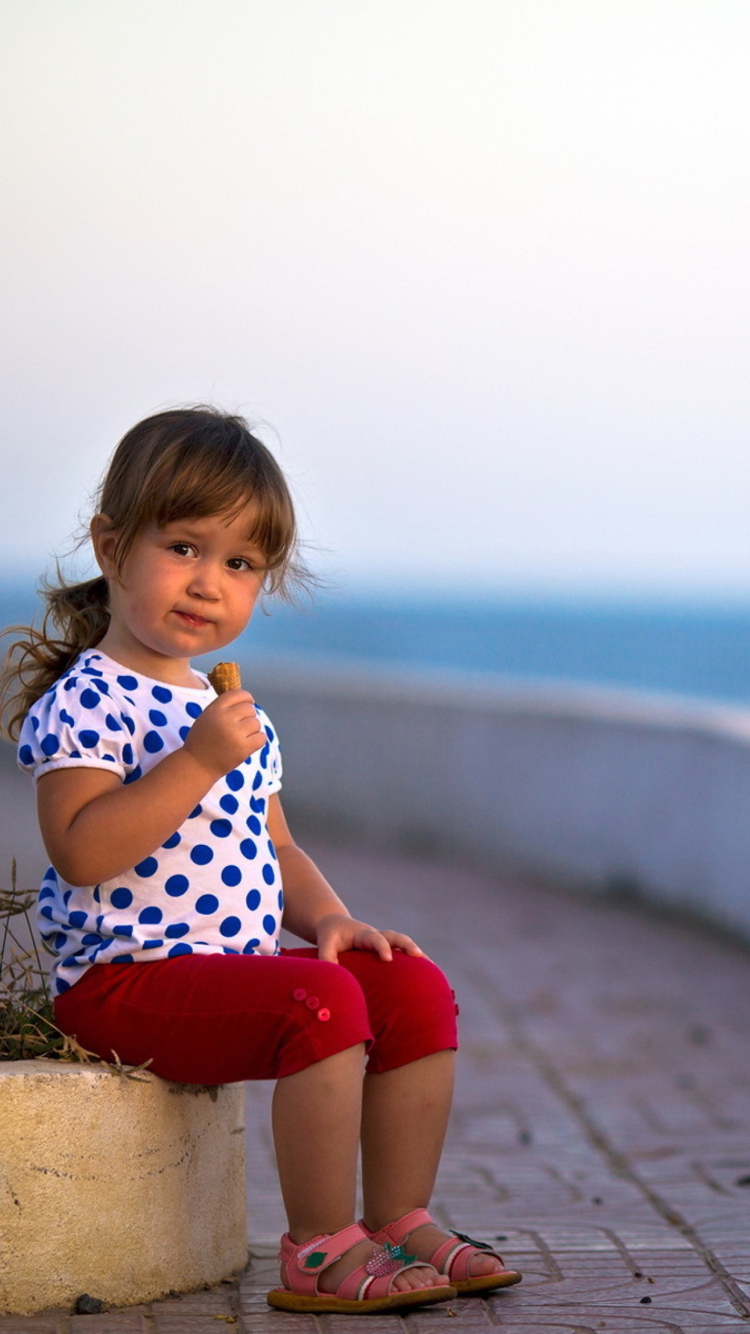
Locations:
(316, 1124)
(404, 1120)
(408, 1093)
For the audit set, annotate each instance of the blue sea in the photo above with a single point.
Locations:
(678, 648)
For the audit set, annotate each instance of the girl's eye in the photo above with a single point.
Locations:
(181, 548)
(239, 563)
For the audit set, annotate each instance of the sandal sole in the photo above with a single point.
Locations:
(283, 1300)
(486, 1282)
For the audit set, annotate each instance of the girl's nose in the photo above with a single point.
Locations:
(204, 581)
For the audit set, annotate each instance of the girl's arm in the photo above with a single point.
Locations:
(95, 827)
(314, 912)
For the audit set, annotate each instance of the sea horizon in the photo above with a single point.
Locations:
(687, 646)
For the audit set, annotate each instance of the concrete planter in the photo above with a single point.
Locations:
(126, 1190)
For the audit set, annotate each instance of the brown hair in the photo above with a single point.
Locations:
(179, 464)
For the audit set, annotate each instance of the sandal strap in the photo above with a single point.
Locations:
(400, 1229)
(305, 1263)
(455, 1256)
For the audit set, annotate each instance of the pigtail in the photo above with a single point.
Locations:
(76, 618)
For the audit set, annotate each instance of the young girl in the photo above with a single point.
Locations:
(158, 805)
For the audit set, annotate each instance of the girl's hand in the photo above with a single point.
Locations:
(337, 932)
(227, 731)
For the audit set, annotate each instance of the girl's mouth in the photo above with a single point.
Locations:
(189, 618)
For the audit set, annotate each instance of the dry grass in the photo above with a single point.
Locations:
(27, 1024)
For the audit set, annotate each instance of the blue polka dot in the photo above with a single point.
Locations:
(78, 919)
(122, 958)
(229, 804)
(71, 684)
(128, 723)
(127, 753)
(263, 757)
(61, 940)
(35, 724)
(184, 733)
(89, 699)
(230, 926)
(172, 841)
(176, 929)
(177, 885)
(201, 854)
(221, 828)
(253, 899)
(50, 744)
(152, 944)
(268, 874)
(125, 930)
(182, 948)
(152, 742)
(128, 682)
(26, 755)
(269, 924)
(97, 895)
(88, 670)
(258, 779)
(162, 694)
(133, 775)
(67, 717)
(193, 709)
(46, 911)
(147, 867)
(248, 849)
(46, 893)
(231, 876)
(88, 738)
(270, 732)
(112, 723)
(235, 780)
(251, 947)
(91, 938)
(158, 718)
(197, 810)
(258, 805)
(150, 916)
(253, 824)
(121, 898)
(280, 900)
(207, 903)
(61, 986)
(272, 850)
(67, 896)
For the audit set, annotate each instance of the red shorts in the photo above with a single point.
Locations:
(217, 1018)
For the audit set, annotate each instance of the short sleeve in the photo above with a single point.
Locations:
(77, 724)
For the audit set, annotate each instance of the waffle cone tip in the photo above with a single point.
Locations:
(225, 676)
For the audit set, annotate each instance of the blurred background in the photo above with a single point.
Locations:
(478, 272)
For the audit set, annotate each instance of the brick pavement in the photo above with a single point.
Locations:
(601, 1124)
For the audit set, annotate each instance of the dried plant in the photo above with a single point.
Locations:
(27, 1025)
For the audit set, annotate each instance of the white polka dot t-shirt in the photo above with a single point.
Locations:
(213, 886)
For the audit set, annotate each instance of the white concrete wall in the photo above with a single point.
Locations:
(601, 790)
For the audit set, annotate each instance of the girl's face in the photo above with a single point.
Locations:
(185, 589)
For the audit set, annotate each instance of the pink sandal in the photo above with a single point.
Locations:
(368, 1288)
(452, 1257)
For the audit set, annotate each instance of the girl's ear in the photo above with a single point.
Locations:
(104, 541)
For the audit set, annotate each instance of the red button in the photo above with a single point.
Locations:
(312, 1002)
(324, 1015)
(457, 1008)
(300, 993)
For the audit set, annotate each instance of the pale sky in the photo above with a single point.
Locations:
(480, 266)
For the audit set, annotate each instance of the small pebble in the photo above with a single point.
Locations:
(86, 1305)
(637, 1273)
(645, 1301)
(742, 1181)
(525, 1137)
(596, 1199)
